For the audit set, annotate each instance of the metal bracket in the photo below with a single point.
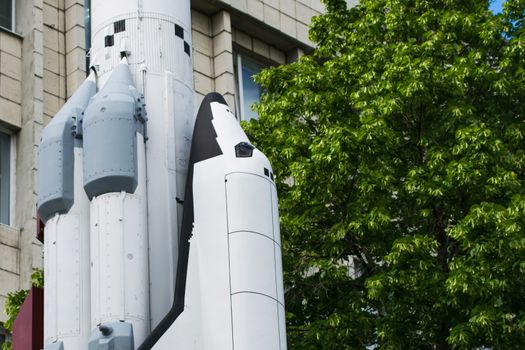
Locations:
(76, 127)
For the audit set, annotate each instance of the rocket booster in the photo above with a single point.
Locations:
(155, 36)
(64, 208)
(114, 180)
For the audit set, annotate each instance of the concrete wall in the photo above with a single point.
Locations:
(64, 52)
(10, 80)
(212, 55)
(9, 264)
(10, 122)
(218, 27)
(291, 17)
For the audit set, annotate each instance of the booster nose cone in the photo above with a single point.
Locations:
(55, 154)
(121, 76)
(110, 146)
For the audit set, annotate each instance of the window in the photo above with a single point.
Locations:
(7, 14)
(5, 177)
(248, 91)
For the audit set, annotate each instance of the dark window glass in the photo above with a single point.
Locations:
(6, 14)
(5, 169)
(249, 91)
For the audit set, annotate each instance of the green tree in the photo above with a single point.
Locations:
(399, 146)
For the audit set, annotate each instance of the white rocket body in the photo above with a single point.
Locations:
(114, 179)
(156, 36)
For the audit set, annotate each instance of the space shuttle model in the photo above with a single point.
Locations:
(161, 227)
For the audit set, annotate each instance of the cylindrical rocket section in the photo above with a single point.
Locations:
(64, 207)
(155, 36)
(66, 270)
(115, 181)
(119, 248)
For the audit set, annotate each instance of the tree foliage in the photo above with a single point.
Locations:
(399, 146)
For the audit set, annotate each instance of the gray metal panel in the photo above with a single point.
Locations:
(55, 174)
(109, 134)
(55, 155)
(110, 149)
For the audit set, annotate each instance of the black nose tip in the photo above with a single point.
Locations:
(214, 97)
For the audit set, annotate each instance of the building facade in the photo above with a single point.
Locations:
(43, 61)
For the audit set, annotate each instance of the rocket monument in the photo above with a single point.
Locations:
(161, 224)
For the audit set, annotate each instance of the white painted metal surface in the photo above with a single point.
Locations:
(162, 71)
(234, 292)
(256, 279)
(66, 270)
(119, 256)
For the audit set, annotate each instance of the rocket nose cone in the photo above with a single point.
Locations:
(120, 75)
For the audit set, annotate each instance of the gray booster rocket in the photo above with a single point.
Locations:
(161, 226)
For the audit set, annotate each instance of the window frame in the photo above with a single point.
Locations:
(238, 54)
